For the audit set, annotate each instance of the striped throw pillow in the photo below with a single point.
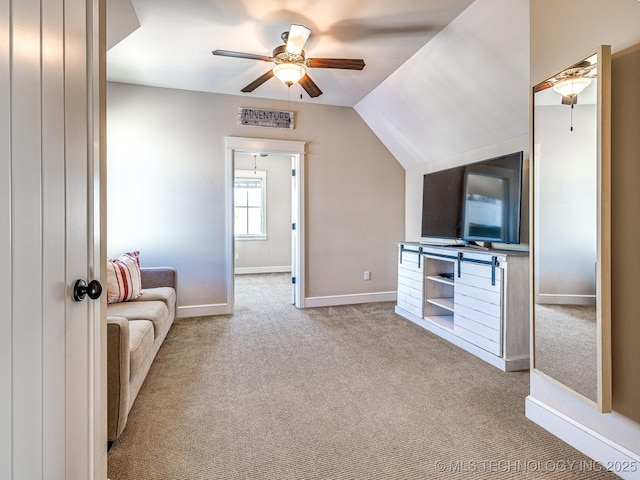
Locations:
(123, 278)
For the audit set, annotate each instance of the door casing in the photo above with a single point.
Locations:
(296, 150)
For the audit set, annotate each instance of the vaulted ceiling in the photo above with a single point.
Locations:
(168, 43)
(442, 77)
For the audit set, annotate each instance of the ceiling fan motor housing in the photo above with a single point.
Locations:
(280, 55)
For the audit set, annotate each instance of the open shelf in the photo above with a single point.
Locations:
(445, 302)
(437, 278)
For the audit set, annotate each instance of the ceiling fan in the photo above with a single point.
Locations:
(290, 62)
(571, 81)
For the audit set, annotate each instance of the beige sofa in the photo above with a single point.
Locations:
(135, 332)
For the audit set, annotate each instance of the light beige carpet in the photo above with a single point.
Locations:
(353, 392)
(567, 346)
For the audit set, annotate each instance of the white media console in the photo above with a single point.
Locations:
(475, 299)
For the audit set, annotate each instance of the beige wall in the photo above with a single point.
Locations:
(556, 43)
(166, 162)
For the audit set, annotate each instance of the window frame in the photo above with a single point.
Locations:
(251, 175)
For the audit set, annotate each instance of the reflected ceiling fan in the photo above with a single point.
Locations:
(290, 62)
(571, 81)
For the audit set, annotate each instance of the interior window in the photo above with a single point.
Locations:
(249, 197)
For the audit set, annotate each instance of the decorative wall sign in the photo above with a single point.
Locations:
(256, 117)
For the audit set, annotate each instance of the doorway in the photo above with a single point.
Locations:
(263, 223)
(236, 149)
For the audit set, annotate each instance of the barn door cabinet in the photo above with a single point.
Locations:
(475, 299)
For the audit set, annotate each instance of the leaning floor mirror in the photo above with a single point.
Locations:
(571, 251)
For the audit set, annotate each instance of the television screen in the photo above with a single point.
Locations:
(490, 209)
(441, 196)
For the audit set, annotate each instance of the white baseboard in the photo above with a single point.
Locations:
(602, 450)
(248, 270)
(329, 301)
(203, 310)
(334, 300)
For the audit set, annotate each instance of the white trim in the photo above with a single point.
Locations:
(274, 269)
(204, 310)
(352, 299)
(584, 439)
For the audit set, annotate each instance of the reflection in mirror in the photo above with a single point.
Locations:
(567, 229)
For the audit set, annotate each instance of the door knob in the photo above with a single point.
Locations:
(81, 289)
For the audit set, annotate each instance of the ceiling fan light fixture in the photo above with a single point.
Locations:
(571, 87)
(289, 73)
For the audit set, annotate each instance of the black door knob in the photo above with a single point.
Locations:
(81, 289)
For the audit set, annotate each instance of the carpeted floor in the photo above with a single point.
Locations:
(567, 346)
(352, 392)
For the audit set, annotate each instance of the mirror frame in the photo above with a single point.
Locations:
(603, 229)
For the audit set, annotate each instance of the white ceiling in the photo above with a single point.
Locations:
(172, 46)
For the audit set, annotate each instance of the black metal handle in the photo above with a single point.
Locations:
(81, 289)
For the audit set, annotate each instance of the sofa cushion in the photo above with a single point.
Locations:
(164, 294)
(123, 278)
(155, 311)
(140, 349)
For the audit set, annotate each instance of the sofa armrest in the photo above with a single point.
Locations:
(118, 370)
(152, 277)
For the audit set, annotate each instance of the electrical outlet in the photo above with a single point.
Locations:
(367, 275)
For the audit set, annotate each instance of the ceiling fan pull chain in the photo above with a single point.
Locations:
(571, 116)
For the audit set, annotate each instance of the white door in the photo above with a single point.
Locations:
(51, 358)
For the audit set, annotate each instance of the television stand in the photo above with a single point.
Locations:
(475, 298)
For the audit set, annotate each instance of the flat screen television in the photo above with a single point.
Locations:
(441, 196)
(476, 202)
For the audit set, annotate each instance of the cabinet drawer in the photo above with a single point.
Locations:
(486, 344)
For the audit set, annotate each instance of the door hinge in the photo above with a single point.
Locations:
(293, 226)
(293, 280)
(293, 173)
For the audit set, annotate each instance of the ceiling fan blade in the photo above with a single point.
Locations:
(542, 86)
(310, 86)
(298, 35)
(344, 63)
(257, 82)
(249, 56)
